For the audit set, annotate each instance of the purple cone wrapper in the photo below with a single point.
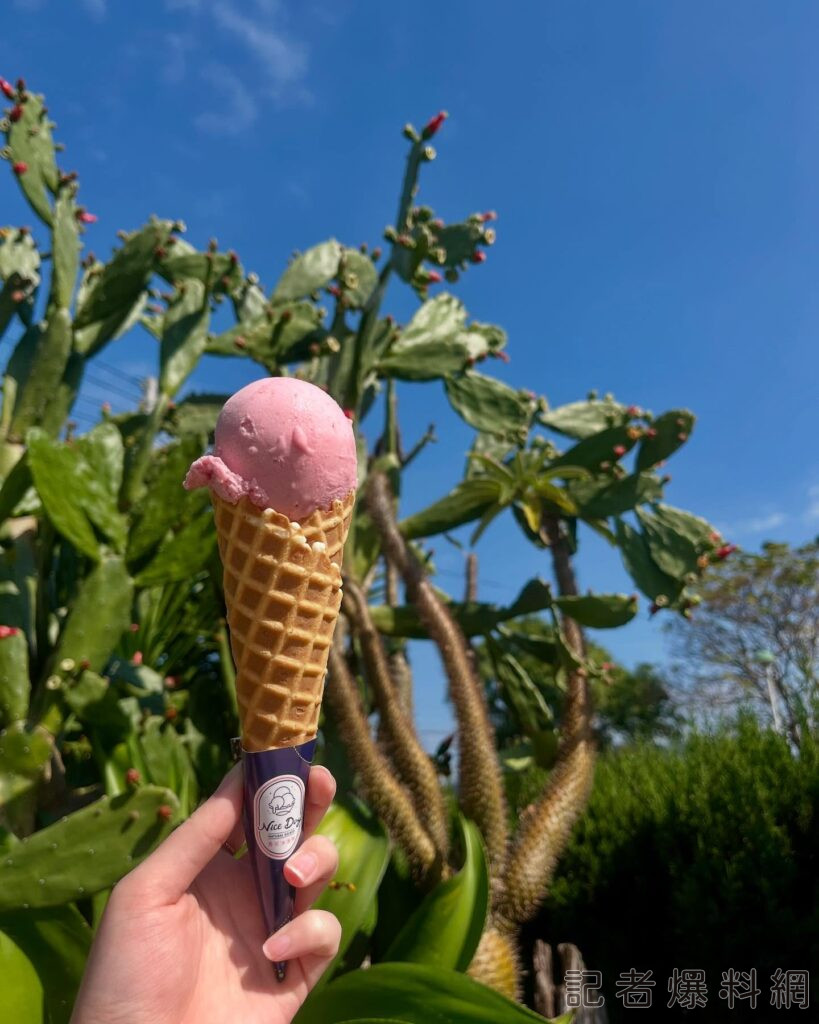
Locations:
(275, 794)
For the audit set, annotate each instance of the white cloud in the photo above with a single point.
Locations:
(755, 525)
(283, 60)
(96, 8)
(239, 110)
(812, 511)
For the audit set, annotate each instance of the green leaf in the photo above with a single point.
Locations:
(15, 686)
(445, 930)
(24, 754)
(99, 616)
(184, 554)
(416, 993)
(645, 572)
(621, 496)
(359, 277)
(57, 942)
(468, 501)
(120, 283)
(364, 852)
(308, 272)
(40, 368)
(195, 414)
(21, 994)
(599, 611)
(91, 338)
(672, 551)
(184, 335)
(596, 449)
(475, 618)
(65, 252)
(489, 405)
(29, 141)
(437, 342)
(55, 469)
(672, 431)
(103, 450)
(86, 851)
(582, 419)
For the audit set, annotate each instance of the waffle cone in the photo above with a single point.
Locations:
(283, 596)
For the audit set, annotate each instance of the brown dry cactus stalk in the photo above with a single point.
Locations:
(545, 825)
(383, 792)
(479, 777)
(413, 765)
(496, 963)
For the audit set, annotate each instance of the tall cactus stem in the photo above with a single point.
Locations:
(414, 767)
(380, 788)
(479, 775)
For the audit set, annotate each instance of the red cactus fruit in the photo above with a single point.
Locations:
(726, 550)
(478, 256)
(7, 89)
(84, 217)
(170, 714)
(619, 450)
(171, 682)
(15, 113)
(651, 433)
(136, 658)
(164, 812)
(132, 776)
(433, 277)
(20, 167)
(8, 631)
(434, 123)
(350, 414)
(489, 215)
(682, 437)
(503, 356)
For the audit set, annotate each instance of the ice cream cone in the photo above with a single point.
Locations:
(282, 584)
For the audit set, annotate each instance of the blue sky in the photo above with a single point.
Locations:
(654, 167)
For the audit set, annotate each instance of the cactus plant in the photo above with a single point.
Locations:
(115, 672)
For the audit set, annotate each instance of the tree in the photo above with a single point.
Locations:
(527, 696)
(754, 641)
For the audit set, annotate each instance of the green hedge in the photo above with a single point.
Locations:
(705, 856)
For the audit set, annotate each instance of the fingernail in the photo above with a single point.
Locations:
(276, 947)
(303, 865)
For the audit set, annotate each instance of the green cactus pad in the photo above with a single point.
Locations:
(85, 852)
(100, 615)
(29, 142)
(308, 272)
(672, 431)
(489, 405)
(14, 680)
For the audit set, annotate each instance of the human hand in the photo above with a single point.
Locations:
(183, 940)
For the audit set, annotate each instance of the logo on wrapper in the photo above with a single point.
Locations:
(277, 812)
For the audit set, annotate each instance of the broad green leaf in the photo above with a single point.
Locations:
(605, 446)
(673, 552)
(100, 614)
(14, 679)
(489, 405)
(647, 575)
(86, 851)
(308, 272)
(672, 430)
(29, 141)
(446, 928)
(468, 501)
(182, 555)
(360, 277)
(474, 618)
(57, 942)
(56, 468)
(416, 993)
(184, 335)
(195, 414)
(582, 419)
(121, 282)
(364, 852)
(165, 505)
(21, 992)
(599, 611)
(65, 252)
(621, 496)
(24, 754)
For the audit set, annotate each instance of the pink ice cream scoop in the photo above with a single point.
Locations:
(283, 443)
